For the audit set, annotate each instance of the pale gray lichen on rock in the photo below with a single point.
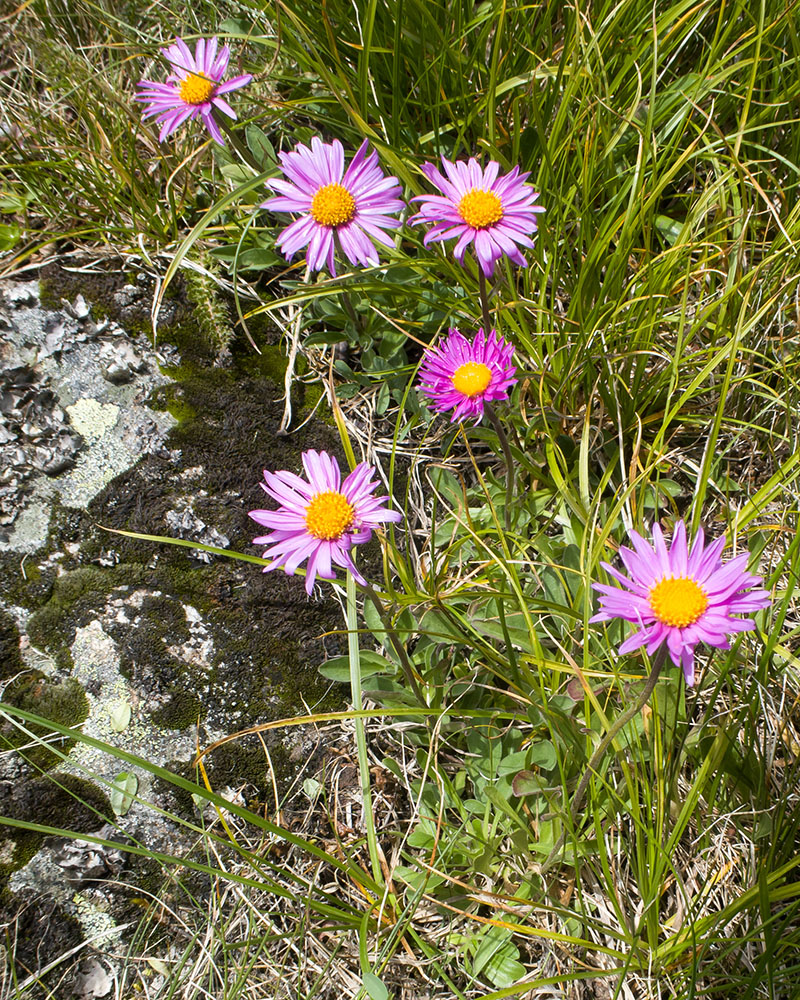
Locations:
(66, 428)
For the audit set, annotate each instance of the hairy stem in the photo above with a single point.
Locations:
(484, 297)
(504, 444)
(361, 735)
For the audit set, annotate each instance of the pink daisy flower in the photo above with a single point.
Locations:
(349, 207)
(461, 376)
(320, 520)
(497, 214)
(193, 88)
(679, 596)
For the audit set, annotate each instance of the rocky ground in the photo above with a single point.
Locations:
(151, 649)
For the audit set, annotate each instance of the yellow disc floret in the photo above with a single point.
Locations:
(196, 89)
(329, 515)
(333, 205)
(678, 601)
(480, 209)
(472, 378)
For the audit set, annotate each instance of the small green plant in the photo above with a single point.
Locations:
(209, 310)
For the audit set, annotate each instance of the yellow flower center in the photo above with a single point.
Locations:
(196, 89)
(678, 601)
(329, 515)
(480, 209)
(333, 205)
(472, 378)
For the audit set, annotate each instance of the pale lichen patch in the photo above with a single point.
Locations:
(91, 419)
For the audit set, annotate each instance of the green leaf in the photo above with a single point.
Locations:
(160, 966)
(382, 402)
(416, 879)
(256, 259)
(446, 484)
(528, 783)
(123, 789)
(503, 969)
(512, 763)
(236, 173)
(374, 986)
(120, 713)
(669, 228)
(323, 337)
(312, 788)
(260, 146)
(543, 754)
(338, 669)
(10, 204)
(235, 26)
(492, 941)
(9, 237)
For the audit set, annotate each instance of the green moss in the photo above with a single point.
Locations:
(180, 410)
(65, 704)
(65, 801)
(43, 933)
(25, 589)
(270, 363)
(232, 765)
(10, 657)
(98, 288)
(181, 711)
(236, 763)
(17, 851)
(144, 646)
(73, 600)
(313, 394)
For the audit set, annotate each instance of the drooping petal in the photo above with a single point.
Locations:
(493, 235)
(320, 519)
(204, 69)
(308, 169)
(683, 594)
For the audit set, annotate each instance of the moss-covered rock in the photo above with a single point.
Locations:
(25, 585)
(75, 598)
(10, 657)
(64, 703)
(182, 710)
(60, 800)
(42, 933)
(220, 643)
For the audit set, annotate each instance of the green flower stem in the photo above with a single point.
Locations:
(361, 736)
(397, 644)
(484, 297)
(597, 756)
(486, 319)
(504, 444)
(237, 143)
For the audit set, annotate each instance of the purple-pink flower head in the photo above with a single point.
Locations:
(193, 89)
(350, 207)
(679, 596)
(461, 376)
(320, 520)
(477, 206)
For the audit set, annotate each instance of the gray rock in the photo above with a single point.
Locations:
(63, 387)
